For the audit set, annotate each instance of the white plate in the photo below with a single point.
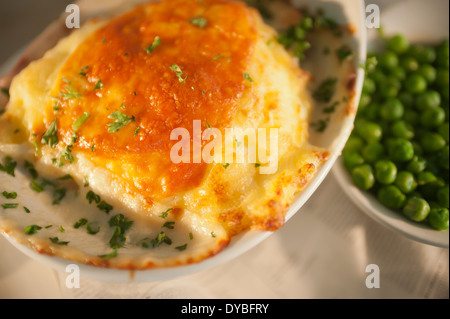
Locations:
(427, 22)
(333, 139)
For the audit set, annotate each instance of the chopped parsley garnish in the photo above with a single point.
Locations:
(344, 53)
(199, 22)
(218, 57)
(248, 77)
(61, 229)
(80, 223)
(257, 165)
(121, 120)
(191, 236)
(98, 85)
(83, 70)
(181, 248)
(10, 206)
(56, 241)
(226, 165)
(32, 229)
(176, 68)
(70, 94)
(160, 239)
(213, 235)
(80, 121)
(48, 226)
(9, 166)
(30, 168)
(136, 131)
(65, 177)
(121, 224)
(7, 195)
(321, 125)
(93, 148)
(169, 225)
(92, 228)
(38, 188)
(207, 125)
(91, 196)
(86, 182)
(325, 91)
(111, 255)
(50, 137)
(331, 108)
(166, 213)
(152, 47)
(26, 210)
(105, 207)
(58, 195)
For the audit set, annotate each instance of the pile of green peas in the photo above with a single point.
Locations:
(399, 149)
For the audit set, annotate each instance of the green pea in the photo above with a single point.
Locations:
(385, 172)
(426, 178)
(417, 165)
(409, 64)
(388, 60)
(372, 152)
(352, 159)
(443, 158)
(369, 86)
(439, 218)
(407, 99)
(443, 131)
(432, 118)
(377, 76)
(402, 129)
(363, 177)
(432, 142)
(411, 117)
(365, 100)
(443, 197)
(406, 182)
(428, 72)
(427, 100)
(398, 44)
(422, 53)
(392, 110)
(390, 196)
(354, 144)
(417, 148)
(369, 131)
(389, 88)
(416, 209)
(371, 112)
(401, 150)
(442, 52)
(415, 84)
(398, 73)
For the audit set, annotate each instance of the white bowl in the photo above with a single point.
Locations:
(426, 22)
(333, 139)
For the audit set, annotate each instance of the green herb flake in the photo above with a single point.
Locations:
(176, 68)
(80, 223)
(136, 131)
(56, 241)
(321, 125)
(331, 108)
(121, 120)
(344, 53)
(191, 236)
(181, 248)
(160, 239)
(248, 77)
(98, 85)
(30, 168)
(48, 226)
(5, 91)
(86, 182)
(7, 195)
(111, 255)
(93, 148)
(26, 210)
(80, 121)
(92, 197)
(70, 94)
(32, 229)
(105, 207)
(50, 137)
(226, 165)
(84, 70)
(92, 228)
(58, 195)
(325, 91)
(121, 224)
(199, 22)
(61, 229)
(10, 206)
(65, 177)
(217, 57)
(169, 225)
(257, 165)
(213, 235)
(9, 166)
(156, 42)
(38, 188)
(166, 213)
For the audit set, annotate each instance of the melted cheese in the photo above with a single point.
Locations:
(131, 168)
